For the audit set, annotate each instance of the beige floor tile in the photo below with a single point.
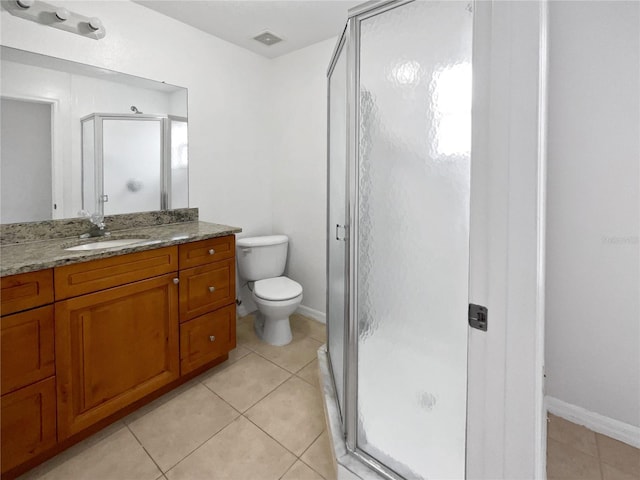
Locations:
(176, 428)
(292, 414)
(619, 455)
(320, 458)
(300, 471)
(158, 402)
(245, 333)
(567, 463)
(239, 452)
(576, 436)
(308, 327)
(237, 353)
(291, 357)
(117, 455)
(612, 473)
(310, 373)
(246, 381)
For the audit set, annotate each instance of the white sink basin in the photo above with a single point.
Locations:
(105, 244)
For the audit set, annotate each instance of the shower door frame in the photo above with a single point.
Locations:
(350, 40)
(98, 147)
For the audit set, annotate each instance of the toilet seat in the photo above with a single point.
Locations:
(277, 289)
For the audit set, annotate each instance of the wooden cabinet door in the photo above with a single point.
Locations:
(207, 337)
(114, 347)
(205, 288)
(26, 348)
(28, 422)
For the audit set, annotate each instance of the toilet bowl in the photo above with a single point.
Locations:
(276, 298)
(261, 261)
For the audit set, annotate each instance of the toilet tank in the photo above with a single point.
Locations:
(261, 257)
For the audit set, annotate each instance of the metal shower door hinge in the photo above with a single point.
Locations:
(478, 317)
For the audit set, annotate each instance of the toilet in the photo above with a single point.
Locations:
(261, 262)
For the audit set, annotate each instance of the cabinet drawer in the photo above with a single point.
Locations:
(81, 278)
(27, 348)
(26, 290)
(207, 251)
(205, 288)
(206, 338)
(28, 422)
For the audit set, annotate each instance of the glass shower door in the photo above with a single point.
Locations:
(336, 226)
(412, 241)
(132, 165)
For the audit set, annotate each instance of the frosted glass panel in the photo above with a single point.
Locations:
(179, 164)
(132, 165)
(337, 216)
(413, 230)
(89, 196)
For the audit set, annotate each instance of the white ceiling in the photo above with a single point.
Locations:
(298, 22)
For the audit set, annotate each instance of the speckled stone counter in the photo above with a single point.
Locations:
(38, 255)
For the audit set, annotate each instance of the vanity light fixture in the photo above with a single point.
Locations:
(56, 17)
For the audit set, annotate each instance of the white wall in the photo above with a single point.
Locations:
(299, 118)
(230, 167)
(593, 288)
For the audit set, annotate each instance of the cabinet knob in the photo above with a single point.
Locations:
(176, 281)
(212, 289)
(211, 338)
(211, 251)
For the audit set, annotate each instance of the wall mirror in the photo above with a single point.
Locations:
(77, 137)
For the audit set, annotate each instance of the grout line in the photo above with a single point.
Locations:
(297, 457)
(306, 365)
(313, 469)
(287, 470)
(202, 444)
(146, 451)
(314, 441)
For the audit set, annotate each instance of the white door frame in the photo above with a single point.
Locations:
(506, 428)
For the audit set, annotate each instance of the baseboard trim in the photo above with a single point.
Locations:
(610, 427)
(310, 312)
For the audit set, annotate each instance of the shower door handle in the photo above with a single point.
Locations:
(338, 227)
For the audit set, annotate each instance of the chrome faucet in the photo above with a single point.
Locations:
(98, 228)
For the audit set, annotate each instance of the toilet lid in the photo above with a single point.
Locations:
(278, 288)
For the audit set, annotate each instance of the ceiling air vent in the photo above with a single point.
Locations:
(268, 38)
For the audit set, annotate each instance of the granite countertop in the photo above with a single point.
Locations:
(38, 255)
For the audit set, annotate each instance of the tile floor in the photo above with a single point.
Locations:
(575, 452)
(258, 416)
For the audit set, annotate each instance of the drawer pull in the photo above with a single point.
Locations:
(212, 338)
(211, 251)
(176, 281)
(212, 289)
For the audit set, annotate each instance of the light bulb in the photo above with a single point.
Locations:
(25, 3)
(62, 14)
(95, 24)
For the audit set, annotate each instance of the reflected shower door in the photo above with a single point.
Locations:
(132, 165)
(336, 219)
(412, 245)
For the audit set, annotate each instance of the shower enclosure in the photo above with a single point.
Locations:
(134, 163)
(399, 113)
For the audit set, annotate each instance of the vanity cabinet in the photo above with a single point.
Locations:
(27, 380)
(82, 343)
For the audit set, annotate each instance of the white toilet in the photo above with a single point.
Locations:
(261, 261)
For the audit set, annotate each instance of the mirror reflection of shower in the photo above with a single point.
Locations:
(134, 162)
